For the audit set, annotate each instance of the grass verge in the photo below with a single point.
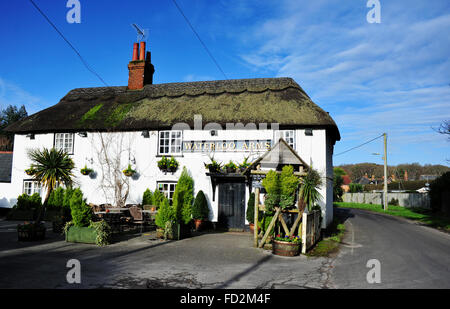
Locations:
(421, 215)
(331, 237)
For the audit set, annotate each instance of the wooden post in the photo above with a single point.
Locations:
(256, 220)
(272, 223)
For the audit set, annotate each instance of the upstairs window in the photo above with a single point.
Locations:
(289, 137)
(169, 142)
(30, 187)
(64, 141)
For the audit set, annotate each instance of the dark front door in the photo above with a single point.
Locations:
(232, 205)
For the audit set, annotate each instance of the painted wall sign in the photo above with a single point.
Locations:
(224, 146)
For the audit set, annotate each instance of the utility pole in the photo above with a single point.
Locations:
(385, 197)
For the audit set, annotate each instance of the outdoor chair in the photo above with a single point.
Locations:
(138, 216)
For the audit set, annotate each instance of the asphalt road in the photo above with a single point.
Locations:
(410, 255)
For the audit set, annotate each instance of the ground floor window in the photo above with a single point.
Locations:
(168, 188)
(30, 187)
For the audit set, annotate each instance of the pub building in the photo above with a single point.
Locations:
(193, 122)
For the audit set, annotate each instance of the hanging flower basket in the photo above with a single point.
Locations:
(30, 171)
(129, 171)
(86, 171)
(168, 165)
(230, 167)
(214, 166)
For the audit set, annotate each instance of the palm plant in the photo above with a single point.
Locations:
(51, 167)
(309, 190)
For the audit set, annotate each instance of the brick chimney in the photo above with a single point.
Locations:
(140, 68)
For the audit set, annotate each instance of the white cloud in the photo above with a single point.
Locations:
(11, 94)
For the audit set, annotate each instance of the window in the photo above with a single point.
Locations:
(169, 142)
(30, 187)
(168, 188)
(289, 137)
(64, 141)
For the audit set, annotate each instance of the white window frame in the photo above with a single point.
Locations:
(65, 142)
(31, 186)
(168, 188)
(289, 137)
(170, 142)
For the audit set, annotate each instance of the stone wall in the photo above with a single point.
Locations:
(421, 200)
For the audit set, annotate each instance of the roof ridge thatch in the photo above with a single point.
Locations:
(258, 100)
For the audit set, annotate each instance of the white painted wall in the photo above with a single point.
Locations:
(315, 150)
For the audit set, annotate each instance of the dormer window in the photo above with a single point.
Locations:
(169, 142)
(289, 137)
(64, 141)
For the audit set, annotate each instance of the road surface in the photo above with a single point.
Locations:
(410, 255)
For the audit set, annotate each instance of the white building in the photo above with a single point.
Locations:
(140, 123)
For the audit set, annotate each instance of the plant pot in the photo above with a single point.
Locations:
(159, 233)
(86, 235)
(252, 227)
(198, 224)
(172, 169)
(214, 170)
(128, 174)
(231, 170)
(285, 248)
(31, 234)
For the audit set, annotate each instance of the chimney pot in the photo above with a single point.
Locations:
(135, 51)
(142, 52)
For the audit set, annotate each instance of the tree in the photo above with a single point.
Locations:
(444, 128)
(51, 167)
(8, 116)
(309, 189)
(337, 184)
(183, 197)
(200, 210)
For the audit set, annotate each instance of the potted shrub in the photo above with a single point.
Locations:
(200, 210)
(165, 214)
(214, 166)
(86, 171)
(163, 164)
(271, 184)
(31, 231)
(172, 165)
(230, 167)
(29, 171)
(129, 171)
(183, 198)
(287, 245)
(244, 165)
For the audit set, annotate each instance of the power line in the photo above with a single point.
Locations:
(67, 41)
(359, 145)
(198, 37)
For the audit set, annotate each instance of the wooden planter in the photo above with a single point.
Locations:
(285, 248)
(86, 235)
(31, 234)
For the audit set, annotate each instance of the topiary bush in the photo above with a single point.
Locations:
(183, 198)
(288, 187)
(56, 199)
(158, 198)
(165, 214)
(147, 198)
(272, 186)
(80, 211)
(250, 214)
(200, 210)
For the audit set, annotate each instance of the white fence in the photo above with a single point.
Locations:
(408, 200)
(310, 229)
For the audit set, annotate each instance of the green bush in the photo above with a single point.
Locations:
(81, 212)
(27, 202)
(250, 214)
(103, 231)
(147, 198)
(355, 187)
(183, 198)
(165, 214)
(158, 198)
(200, 210)
(56, 199)
(289, 184)
(272, 186)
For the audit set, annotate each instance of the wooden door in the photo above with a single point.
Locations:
(232, 205)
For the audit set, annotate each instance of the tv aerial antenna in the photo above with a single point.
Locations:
(142, 34)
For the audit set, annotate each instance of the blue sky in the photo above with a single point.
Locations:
(390, 77)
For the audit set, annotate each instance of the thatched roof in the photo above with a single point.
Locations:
(159, 106)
